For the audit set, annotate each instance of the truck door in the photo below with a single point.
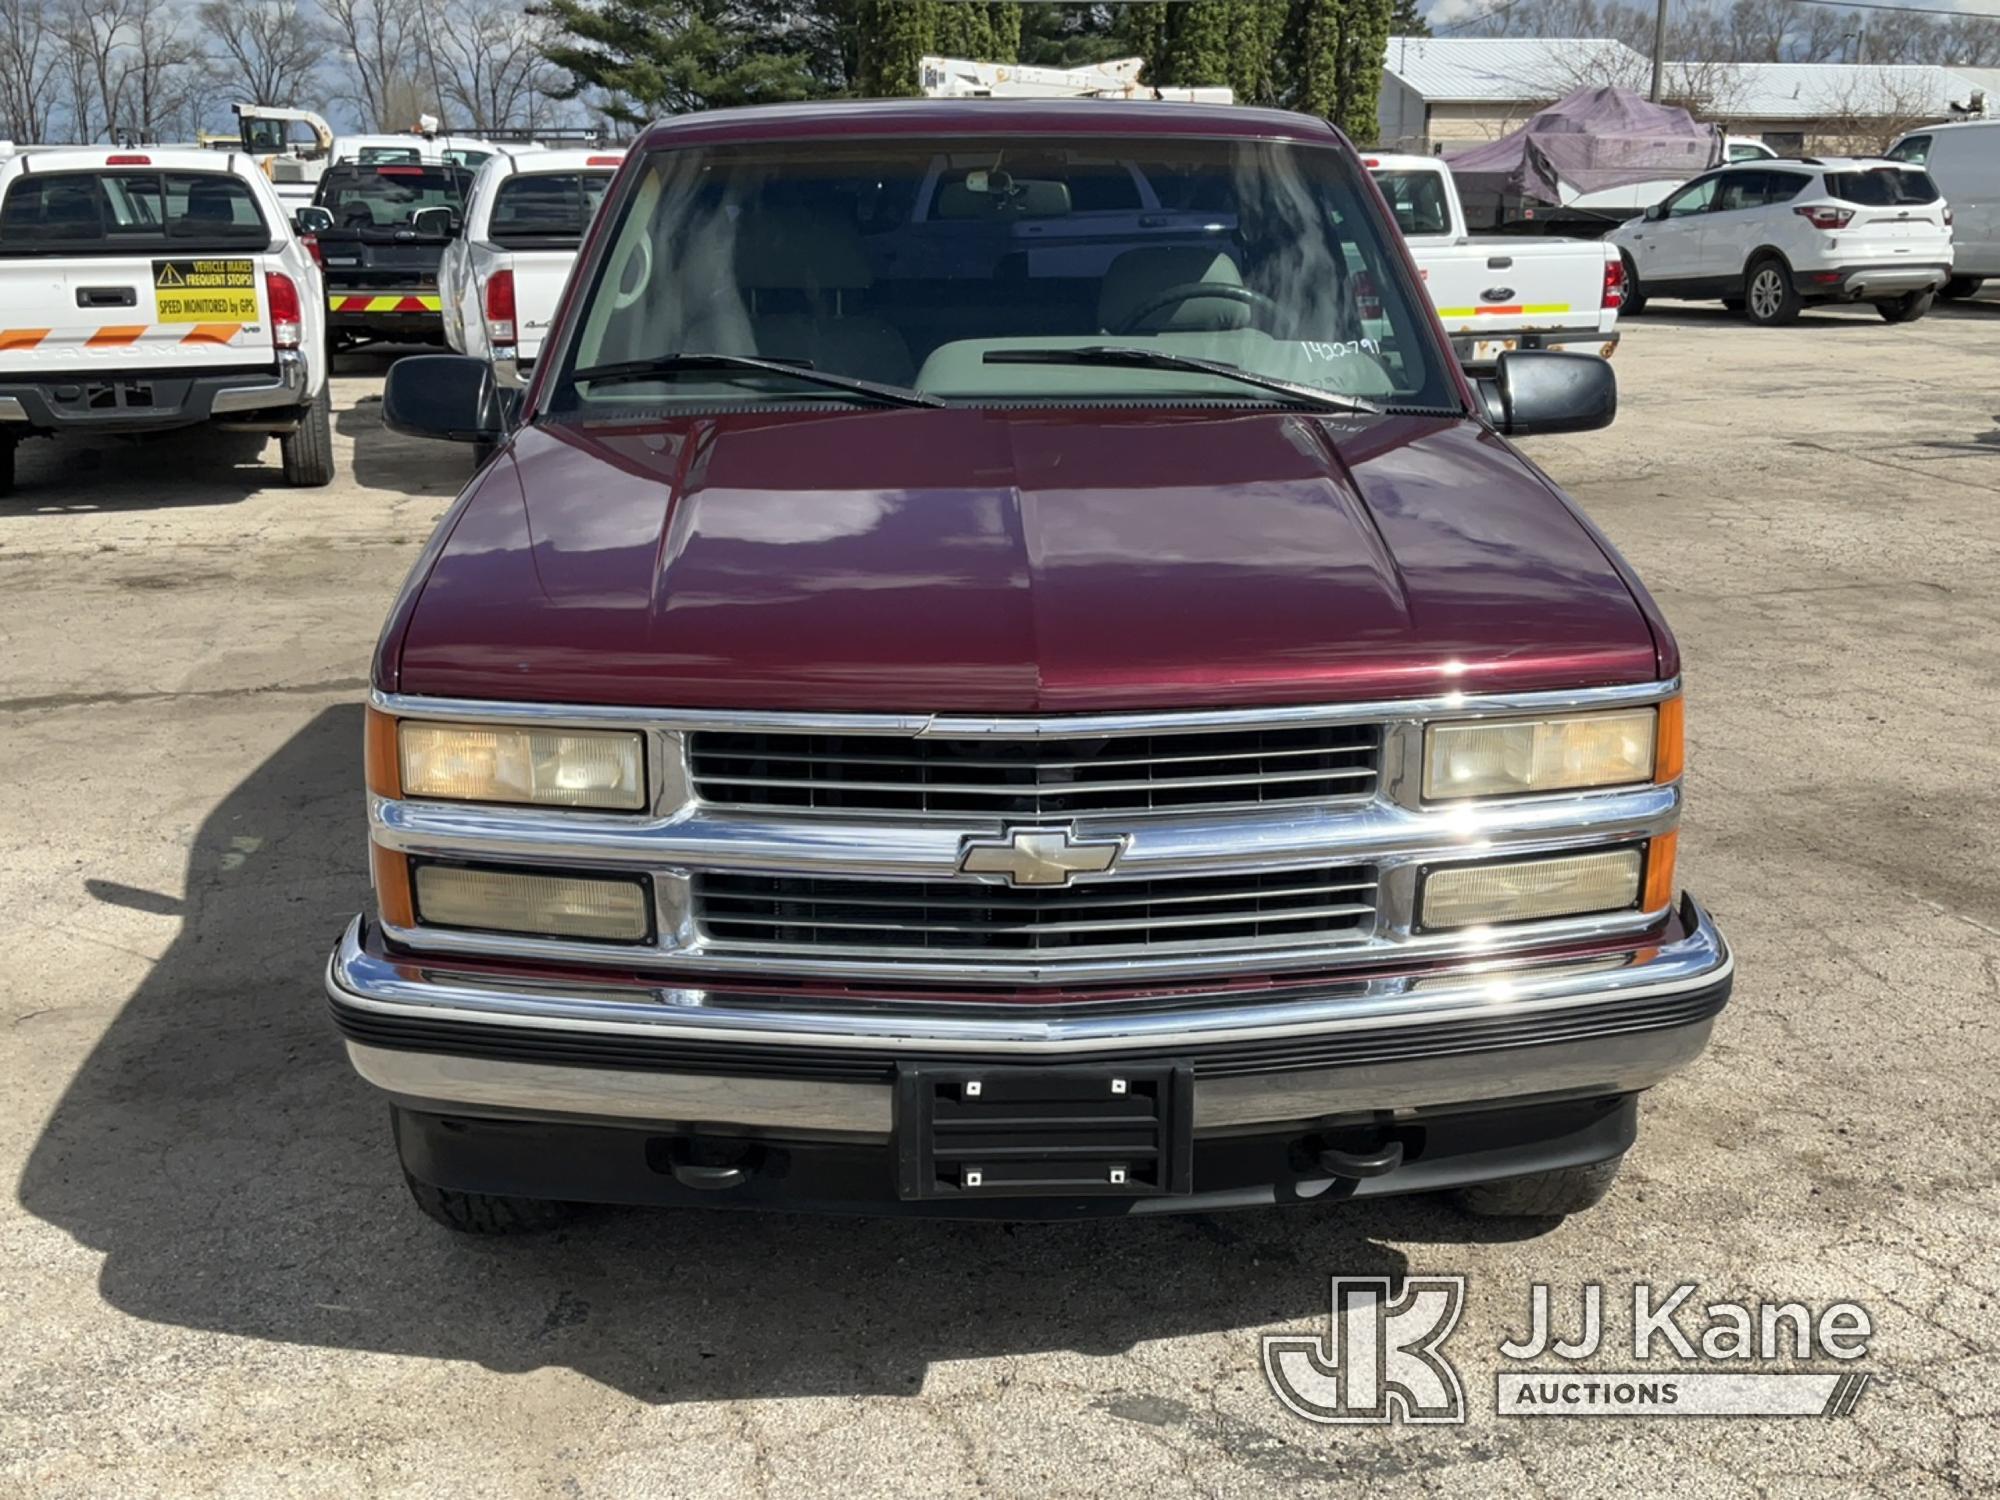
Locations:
(1669, 248)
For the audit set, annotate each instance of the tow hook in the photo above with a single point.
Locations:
(1376, 1161)
(711, 1166)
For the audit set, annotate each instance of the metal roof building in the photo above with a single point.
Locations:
(1447, 91)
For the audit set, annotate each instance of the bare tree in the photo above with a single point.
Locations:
(378, 42)
(491, 65)
(164, 73)
(1758, 30)
(1863, 114)
(94, 36)
(269, 51)
(29, 81)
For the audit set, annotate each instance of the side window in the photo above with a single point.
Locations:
(1741, 190)
(1915, 149)
(1417, 200)
(1750, 151)
(1783, 187)
(1695, 198)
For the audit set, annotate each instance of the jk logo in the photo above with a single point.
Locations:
(1378, 1360)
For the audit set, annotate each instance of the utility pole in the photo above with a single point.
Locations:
(1659, 48)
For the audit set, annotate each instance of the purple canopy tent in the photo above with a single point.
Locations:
(1595, 139)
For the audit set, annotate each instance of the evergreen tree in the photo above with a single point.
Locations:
(1072, 36)
(1406, 20)
(1197, 42)
(962, 28)
(895, 34)
(653, 57)
(1004, 16)
(1315, 57)
(1364, 41)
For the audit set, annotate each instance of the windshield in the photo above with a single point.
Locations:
(389, 197)
(1882, 187)
(107, 213)
(913, 262)
(545, 210)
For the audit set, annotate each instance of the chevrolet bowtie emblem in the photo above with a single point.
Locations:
(1039, 856)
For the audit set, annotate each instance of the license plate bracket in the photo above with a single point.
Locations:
(1092, 1130)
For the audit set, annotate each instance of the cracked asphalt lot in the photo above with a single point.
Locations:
(211, 1284)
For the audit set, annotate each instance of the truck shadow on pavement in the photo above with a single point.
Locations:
(385, 460)
(215, 1150)
(198, 466)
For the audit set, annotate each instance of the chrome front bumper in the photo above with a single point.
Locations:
(456, 1040)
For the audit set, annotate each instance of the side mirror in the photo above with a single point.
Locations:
(1656, 212)
(1538, 391)
(438, 221)
(449, 396)
(311, 220)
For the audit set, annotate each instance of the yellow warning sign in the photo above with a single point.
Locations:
(205, 291)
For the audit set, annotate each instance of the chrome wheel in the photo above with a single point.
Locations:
(1767, 292)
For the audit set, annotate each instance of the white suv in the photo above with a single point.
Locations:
(1771, 237)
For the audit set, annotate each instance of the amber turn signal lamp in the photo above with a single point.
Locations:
(1669, 751)
(391, 870)
(1659, 892)
(381, 759)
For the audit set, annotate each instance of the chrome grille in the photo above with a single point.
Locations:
(815, 917)
(887, 776)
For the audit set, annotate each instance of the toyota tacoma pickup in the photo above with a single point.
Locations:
(1111, 734)
(500, 280)
(146, 291)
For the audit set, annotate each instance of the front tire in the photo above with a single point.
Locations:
(1770, 300)
(308, 451)
(485, 1213)
(7, 446)
(1907, 308)
(1960, 287)
(1543, 1195)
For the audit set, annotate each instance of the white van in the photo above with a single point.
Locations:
(1964, 160)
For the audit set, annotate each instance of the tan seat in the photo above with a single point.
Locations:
(1138, 277)
(805, 275)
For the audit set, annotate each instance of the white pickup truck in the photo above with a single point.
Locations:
(147, 290)
(501, 278)
(1500, 293)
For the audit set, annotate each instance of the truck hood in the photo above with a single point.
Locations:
(1012, 561)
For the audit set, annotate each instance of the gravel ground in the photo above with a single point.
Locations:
(210, 1281)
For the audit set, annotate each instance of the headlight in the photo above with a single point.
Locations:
(537, 767)
(552, 905)
(1569, 885)
(1508, 757)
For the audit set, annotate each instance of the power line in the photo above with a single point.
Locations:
(1913, 10)
(1485, 15)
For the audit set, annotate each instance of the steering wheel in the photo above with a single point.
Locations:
(1190, 291)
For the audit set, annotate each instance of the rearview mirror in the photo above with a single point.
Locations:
(1537, 391)
(438, 221)
(311, 220)
(449, 396)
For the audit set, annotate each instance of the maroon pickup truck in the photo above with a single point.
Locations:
(1001, 668)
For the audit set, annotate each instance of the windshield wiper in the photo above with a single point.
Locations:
(1124, 356)
(683, 364)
